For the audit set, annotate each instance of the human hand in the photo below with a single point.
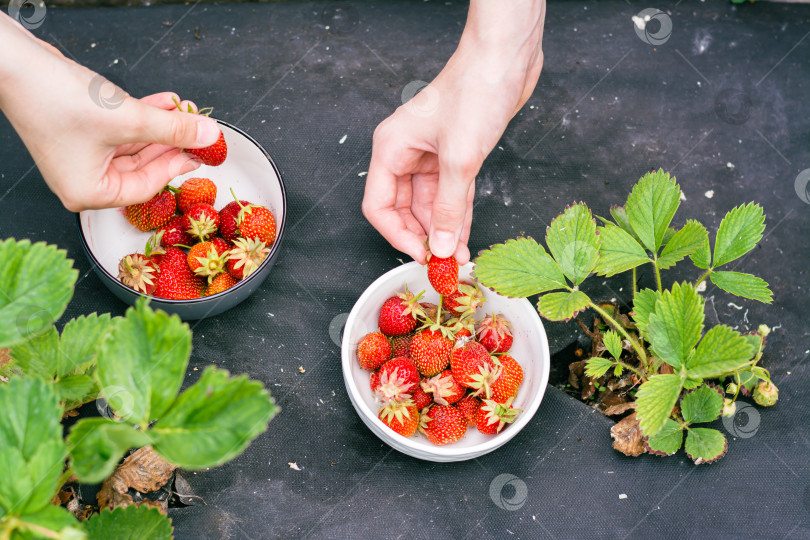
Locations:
(93, 154)
(425, 156)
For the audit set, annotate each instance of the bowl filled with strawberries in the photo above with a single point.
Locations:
(205, 242)
(440, 368)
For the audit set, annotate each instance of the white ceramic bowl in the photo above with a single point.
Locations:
(530, 349)
(107, 236)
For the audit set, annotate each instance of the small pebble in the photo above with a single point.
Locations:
(623, 496)
(709, 194)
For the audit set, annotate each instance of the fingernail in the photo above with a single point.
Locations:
(443, 244)
(207, 132)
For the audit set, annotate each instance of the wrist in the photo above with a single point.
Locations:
(514, 32)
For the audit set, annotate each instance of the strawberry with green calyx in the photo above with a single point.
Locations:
(173, 233)
(443, 274)
(469, 405)
(208, 259)
(495, 333)
(213, 155)
(222, 282)
(373, 350)
(153, 213)
(471, 365)
(202, 221)
(508, 382)
(464, 301)
(227, 220)
(138, 272)
(395, 380)
(766, 394)
(420, 398)
(493, 416)
(398, 314)
(402, 417)
(175, 280)
(245, 257)
(194, 191)
(444, 388)
(256, 222)
(430, 348)
(443, 424)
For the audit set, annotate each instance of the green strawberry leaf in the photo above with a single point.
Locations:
(620, 216)
(686, 241)
(79, 344)
(643, 306)
(33, 452)
(668, 440)
(675, 327)
(704, 445)
(562, 306)
(745, 285)
(722, 350)
(98, 444)
(702, 405)
(142, 364)
(573, 242)
(597, 366)
(213, 420)
(738, 233)
(76, 388)
(650, 207)
(668, 234)
(518, 268)
(619, 252)
(37, 357)
(130, 523)
(702, 257)
(655, 400)
(691, 383)
(53, 518)
(760, 373)
(748, 380)
(613, 343)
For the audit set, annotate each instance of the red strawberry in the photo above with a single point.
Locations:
(464, 300)
(462, 334)
(494, 333)
(193, 191)
(469, 405)
(152, 213)
(398, 314)
(444, 388)
(420, 398)
(220, 283)
(493, 416)
(472, 366)
(176, 280)
(257, 222)
(173, 233)
(138, 272)
(374, 379)
(396, 379)
(443, 424)
(443, 274)
(373, 350)
(401, 345)
(227, 220)
(401, 417)
(245, 257)
(507, 384)
(208, 259)
(210, 155)
(202, 221)
(430, 351)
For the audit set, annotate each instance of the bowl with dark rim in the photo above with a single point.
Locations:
(107, 236)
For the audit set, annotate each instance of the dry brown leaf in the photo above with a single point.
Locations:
(5, 357)
(627, 437)
(575, 371)
(620, 408)
(666, 369)
(144, 471)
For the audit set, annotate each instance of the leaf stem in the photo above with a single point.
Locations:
(636, 345)
(635, 283)
(16, 523)
(657, 273)
(634, 370)
(704, 276)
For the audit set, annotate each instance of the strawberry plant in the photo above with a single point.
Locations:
(683, 375)
(137, 363)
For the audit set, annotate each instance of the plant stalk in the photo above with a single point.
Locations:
(657, 274)
(704, 276)
(635, 284)
(636, 345)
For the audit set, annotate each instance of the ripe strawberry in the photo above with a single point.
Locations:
(213, 155)
(193, 191)
(396, 379)
(208, 259)
(256, 222)
(443, 424)
(469, 405)
(493, 416)
(401, 345)
(398, 314)
(220, 283)
(472, 366)
(373, 350)
(245, 257)
(462, 334)
(374, 380)
(153, 213)
(443, 274)
(464, 300)
(430, 351)
(173, 233)
(507, 384)
(202, 221)
(420, 398)
(176, 280)
(401, 417)
(227, 220)
(444, 388)
(138, 272)
(494, 333)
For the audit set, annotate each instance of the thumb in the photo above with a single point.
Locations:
(450, 205)
(171, 128)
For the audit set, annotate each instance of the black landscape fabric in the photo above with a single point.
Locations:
(722, 104)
